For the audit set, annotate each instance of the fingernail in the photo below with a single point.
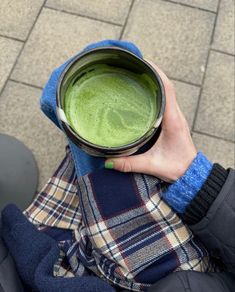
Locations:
(109, 164)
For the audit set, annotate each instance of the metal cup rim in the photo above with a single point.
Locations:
(75, 136)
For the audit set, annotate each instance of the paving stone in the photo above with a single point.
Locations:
(216, 108)
(204, 4)
(176, 37)
(20, 116)
(56, 37)
(187, 97)
(224, 31)
(17, 17)
(217, 150)
(109, 10)
(9, 50)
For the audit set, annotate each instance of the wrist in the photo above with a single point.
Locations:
(185, 163)
(179, 194)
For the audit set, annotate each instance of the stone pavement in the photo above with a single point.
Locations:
(191, 40)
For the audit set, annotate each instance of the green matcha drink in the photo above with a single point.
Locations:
(110, 106)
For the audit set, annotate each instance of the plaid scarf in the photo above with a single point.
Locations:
(121, 229)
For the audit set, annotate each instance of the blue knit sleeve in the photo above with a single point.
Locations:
(182, 191)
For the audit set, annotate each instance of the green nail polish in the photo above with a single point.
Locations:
(108, 164)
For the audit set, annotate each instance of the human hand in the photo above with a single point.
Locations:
(173, 151)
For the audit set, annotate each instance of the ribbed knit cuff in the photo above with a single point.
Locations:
(182, 191)
(201, 203)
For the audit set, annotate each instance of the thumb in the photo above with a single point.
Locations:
(136, 163)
